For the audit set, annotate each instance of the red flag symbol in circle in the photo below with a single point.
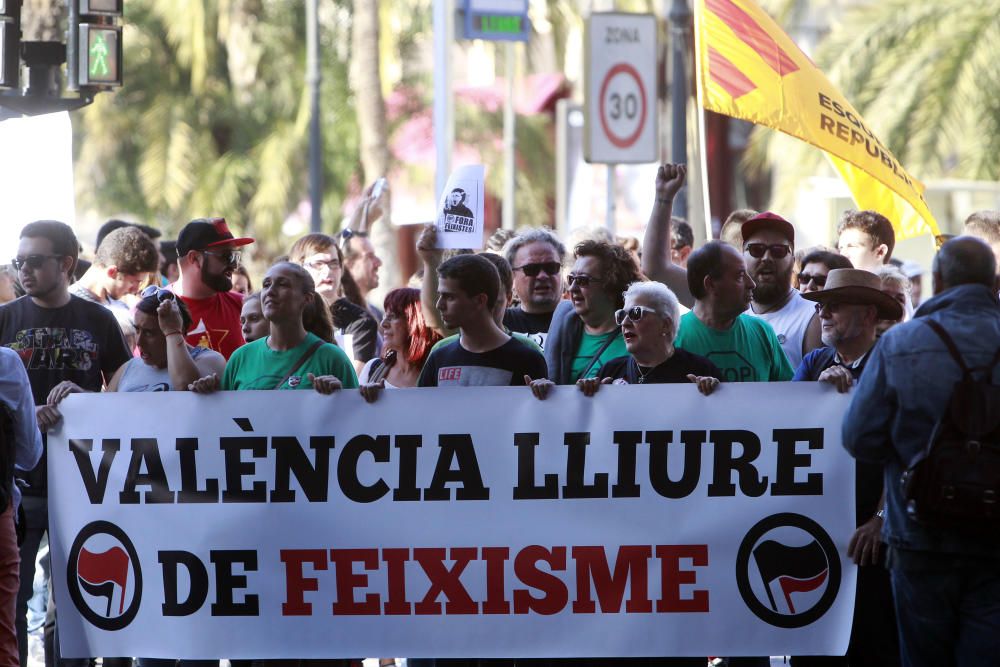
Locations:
(101, 570)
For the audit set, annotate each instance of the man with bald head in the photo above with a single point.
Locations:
(745, 348)
(985, 225)
(946, 583)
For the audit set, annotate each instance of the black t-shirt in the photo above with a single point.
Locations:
(350, 319)
(80, 341)
(625, 370)
(454, 366)
(533, 325)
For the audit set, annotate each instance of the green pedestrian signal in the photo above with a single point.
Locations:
(94, 50)
(100, 55)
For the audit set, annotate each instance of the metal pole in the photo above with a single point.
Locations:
(72, 46)
(680, 19)
(444, 131)
(313, 80)
(612, 189)
(509, 137)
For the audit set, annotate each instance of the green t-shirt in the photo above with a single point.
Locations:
(256, 366)
(748, 352)
(520, 338)
(588, 347)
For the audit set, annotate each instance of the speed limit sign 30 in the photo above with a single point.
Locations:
(620, 88)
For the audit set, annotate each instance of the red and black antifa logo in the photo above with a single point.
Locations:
(103, 576)
(788, 570)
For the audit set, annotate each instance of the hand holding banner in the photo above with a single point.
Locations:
(639, 522)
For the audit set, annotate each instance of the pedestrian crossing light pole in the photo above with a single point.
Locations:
(10, 43)
(94, 45)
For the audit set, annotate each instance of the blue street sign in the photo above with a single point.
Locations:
(497, 20)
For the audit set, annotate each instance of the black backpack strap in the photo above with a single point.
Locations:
(600, 351)
(298, 364)
(950, 344)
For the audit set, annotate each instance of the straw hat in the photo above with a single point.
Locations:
(857, 288)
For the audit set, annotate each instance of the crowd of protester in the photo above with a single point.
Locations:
(531, 312)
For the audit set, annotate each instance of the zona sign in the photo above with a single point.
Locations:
(620, 88)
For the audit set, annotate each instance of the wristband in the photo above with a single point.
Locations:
(171, 333)
(663, 200)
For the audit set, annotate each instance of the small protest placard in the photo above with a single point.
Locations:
(460, 211)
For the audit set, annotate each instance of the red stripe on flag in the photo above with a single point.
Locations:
(728, 75)
(790, 585)
(758, 39)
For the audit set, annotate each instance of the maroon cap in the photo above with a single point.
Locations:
(207, 233)
(768, 220)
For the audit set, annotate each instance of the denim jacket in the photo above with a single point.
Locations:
(904, 391)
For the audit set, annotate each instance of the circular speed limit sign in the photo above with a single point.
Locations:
(622, 104)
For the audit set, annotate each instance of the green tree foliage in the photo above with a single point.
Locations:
(213, 116)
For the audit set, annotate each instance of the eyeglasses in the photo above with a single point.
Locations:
(831, 307)
(818, 278)
(230, 257)
(581, 280)
(532, 270)
(160, 293)
(32, 262)
(318, 265)
(758, 250)
(635, 313)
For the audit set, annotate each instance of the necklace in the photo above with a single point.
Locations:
(642, 376)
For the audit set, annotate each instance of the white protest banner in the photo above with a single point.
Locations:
(460, 212)
(646, 521)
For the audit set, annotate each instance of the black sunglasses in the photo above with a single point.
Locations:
(346, 235)
(230, 257)
(831, 307)
(818, 278)
(32, 262)
(160, 293)
(532, 270)
(758, 250)
(581, 279)
(635, 313)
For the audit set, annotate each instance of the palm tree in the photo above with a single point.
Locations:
(366, 78)
(213, 115)
(924, 77)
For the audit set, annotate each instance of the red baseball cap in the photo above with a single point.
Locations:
(204, 233)
(768, 220)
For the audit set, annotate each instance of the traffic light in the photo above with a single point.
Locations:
(10, 41)
(95, 44)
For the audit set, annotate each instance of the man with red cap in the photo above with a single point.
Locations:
(207, 255)
(769, 251)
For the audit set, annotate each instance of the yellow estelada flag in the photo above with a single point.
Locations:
(748, 68)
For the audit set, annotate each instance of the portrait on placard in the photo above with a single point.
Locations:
(460, 217)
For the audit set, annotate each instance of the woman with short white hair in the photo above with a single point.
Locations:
(899, 287)
(649, 322)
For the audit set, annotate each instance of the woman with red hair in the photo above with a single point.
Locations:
(406, 343)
